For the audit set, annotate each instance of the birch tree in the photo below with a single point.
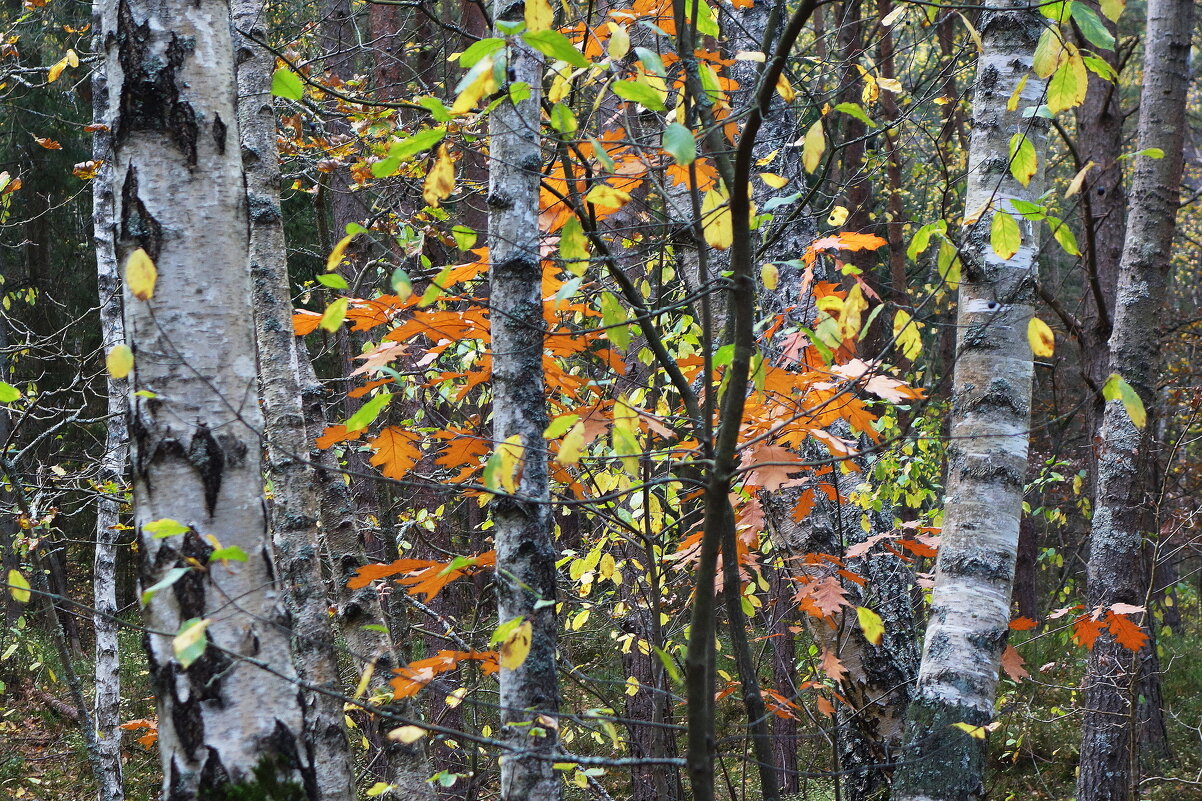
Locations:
(1122, 494)
(230, 721)
(990, 418)
(522, 520)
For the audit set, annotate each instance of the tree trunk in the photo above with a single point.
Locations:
(990, 419)
(228, 726)
(522, 521)
(293, 509)
(111, 475)
(1121, 498)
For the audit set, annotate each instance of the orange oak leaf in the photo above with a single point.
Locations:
(773, 466)
(304, 322)
(396, 451)
(1126, 631)
(1086, 630)
(1012, 663)
(831, 665)
(335, 434)
(1022, 624)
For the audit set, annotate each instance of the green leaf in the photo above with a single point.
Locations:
(287, 84)
(857, 111)
(639, 93)
(560, 425)
(1091, 26)
(18, 587)
(190, 642)
(9, 393)
(332, 317)
(333, 281)
(1064, 236)
(707, 25)
(1116, 388)
(173, 575)
(165, 527)
(368, 412)
(478, 50)
(1023, 161)
(562, 119)
(573, 247)
(421, 141)
(613, 317)
(436, 107)
(680, 144)
(1004, 236)
(669, 665)
(465, 236)
(555, 45)
(922, 238)
(651, 61)
(231, 553)
(1066, 89)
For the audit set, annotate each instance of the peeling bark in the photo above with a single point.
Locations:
(227, 728)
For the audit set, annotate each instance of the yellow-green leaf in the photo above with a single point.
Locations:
(905, 331)
(1023, 160)
(141, 275)
(516, 646)
(813, 146)
(333, 316)
(189, 643)
(119, 361)
(164, 527)
(1043, 341)
(571, 445)
(1047, 53)
(1116, 388)
(716, 220)
(1113, 9)
(871, 624)
(1066, 89)
(624, 436)
(18, 587)
(1004, 235)
(573, 246)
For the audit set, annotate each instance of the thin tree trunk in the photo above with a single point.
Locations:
(1122, 498)
(111, 475)
(227, 726)
(987, 461)
(522, 522)
(293, 510)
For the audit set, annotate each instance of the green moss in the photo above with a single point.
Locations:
(273, 781)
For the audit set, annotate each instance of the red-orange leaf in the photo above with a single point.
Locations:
(396, 451)
(335, 434)
(1022, 624)
(1126, 631)
(1086, 630)
(1012, 663)
(304, 322)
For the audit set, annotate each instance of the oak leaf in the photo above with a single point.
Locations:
(396, 451)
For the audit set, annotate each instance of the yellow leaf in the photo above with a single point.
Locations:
(189, 644)
(976, 37)
(338, 253)
(785, 89)
(606, 196)
(716, 221)
(119, 361)
(1074, 186)
(837, 217)
(853, 307)
(333, 316)
(68, 60)
(407, 734)
(478, 83)
(516, 646)
(870, 624)
(890, 85)
(773, 180)
(813, 146)
(607, 566)
(365, 679)
(632, 685)
(539, 15)
(770, 276)
(440, 181)
(141, 275)
(977, 732)
(905, 331)
(510, 454)
(571, 446)
(1004, 235)
(624, 435)
(379, 788)
(619, 41)
(1039, 334)
(18, 587)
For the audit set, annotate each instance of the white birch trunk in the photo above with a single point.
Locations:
(990, 418)
(522, 533)
(1116, 551)
(226, 726)
(107, 710)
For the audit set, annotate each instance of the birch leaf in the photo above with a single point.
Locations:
(516, 646)
(18, 587)
(976, 732)
(905, 331)
(606, 197)
(173, 575)
(189, 644)
(165, 527)
(770, 276)
(871, 624)
(1067, 87)
(1116, 388)
(1043, 341)
(8, 393)
(333, 316)
(680, 144)
(440, 181)
(716, 221)
(1113, 9)
(619, 42)
(1023, 161)
(1004, 236)
(119, 361)
(338, 253)
(1047, 53)
(1074, 186)
(407, 734)
(70, 59)
(573, 246)
(368, 412)
(813, 146)
(141, 275)
(571, 446)
(539, 15)
(286, 84)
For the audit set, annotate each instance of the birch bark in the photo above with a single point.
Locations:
(522, 533)
(293, 510)
(1116, 534)
(107, 709)
(227, 727)
(990, 418)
